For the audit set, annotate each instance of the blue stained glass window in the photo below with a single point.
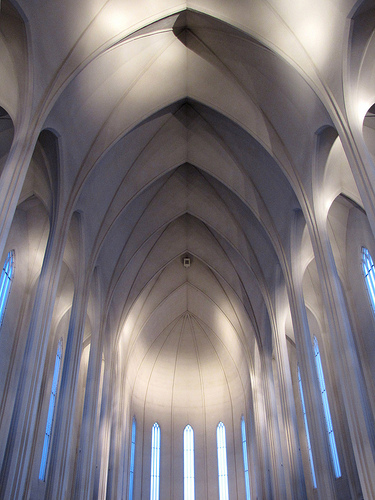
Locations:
(5, 283)
(132, 458)
(327, 413)
(369, 274)
(189, 493)
(222, 462)
(51, 411)
(155, 462)
(245, 460)
(306, 429)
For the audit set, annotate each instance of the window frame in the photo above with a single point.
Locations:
(306, 425)
(51, 412)
(189, 463)
(327, 412)
(222, 461)
(155, 462)
(245, 458)
(368, 271)
(6, 280)
(132, 458)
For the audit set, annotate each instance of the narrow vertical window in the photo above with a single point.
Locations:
(132, 458)
(222, 462)
(155, 462)
(327, 413)
(306, 429)
(5, 282)
(189, 493)
(369, 274)
(51, 411)
(245, 460)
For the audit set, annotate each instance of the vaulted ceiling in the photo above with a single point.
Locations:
(185, 129)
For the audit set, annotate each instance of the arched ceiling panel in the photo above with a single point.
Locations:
(197, 354)
(272, 102)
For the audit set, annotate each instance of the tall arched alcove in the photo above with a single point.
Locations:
(186, 368)
(341, 244)
(28, 238)
(350, 226)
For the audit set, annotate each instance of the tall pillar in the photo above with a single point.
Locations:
(117, 472)
(353, 388)
(62, 448)
(278, 479)
(85, 474)
(309, 377)
(289, 418)
(16, 467)
(102, 456)
(263, 479)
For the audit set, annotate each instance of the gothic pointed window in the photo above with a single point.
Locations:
(222, 462)
(5, 283)
(312, 469)
(369, 274)
(132, 458)
(245, 459)
(51, 412)
(155, 462)
(189, 493)
(327, 413)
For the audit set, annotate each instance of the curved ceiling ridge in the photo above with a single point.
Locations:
(177, 254)
(191, 298)
(186, 19)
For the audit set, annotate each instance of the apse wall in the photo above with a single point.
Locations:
(186, 370)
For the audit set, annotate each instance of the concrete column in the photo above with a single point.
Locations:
(85, 472)
(17, 466)
(348, 366)
(117, 463)
(276, 457)
(63, 449)
(289, 419)
(102, 456)
(263, 484)
(309, 377)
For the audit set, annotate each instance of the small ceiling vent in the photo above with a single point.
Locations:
(187, 262)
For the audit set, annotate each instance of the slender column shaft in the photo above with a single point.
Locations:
(278, 479)
(101, 472)
(309, 377)
(360, 418)
(85, 473)
(17, 465)
(63, 450)
(298, 488)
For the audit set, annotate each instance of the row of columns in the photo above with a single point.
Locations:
(19, 453)
(20, 446)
